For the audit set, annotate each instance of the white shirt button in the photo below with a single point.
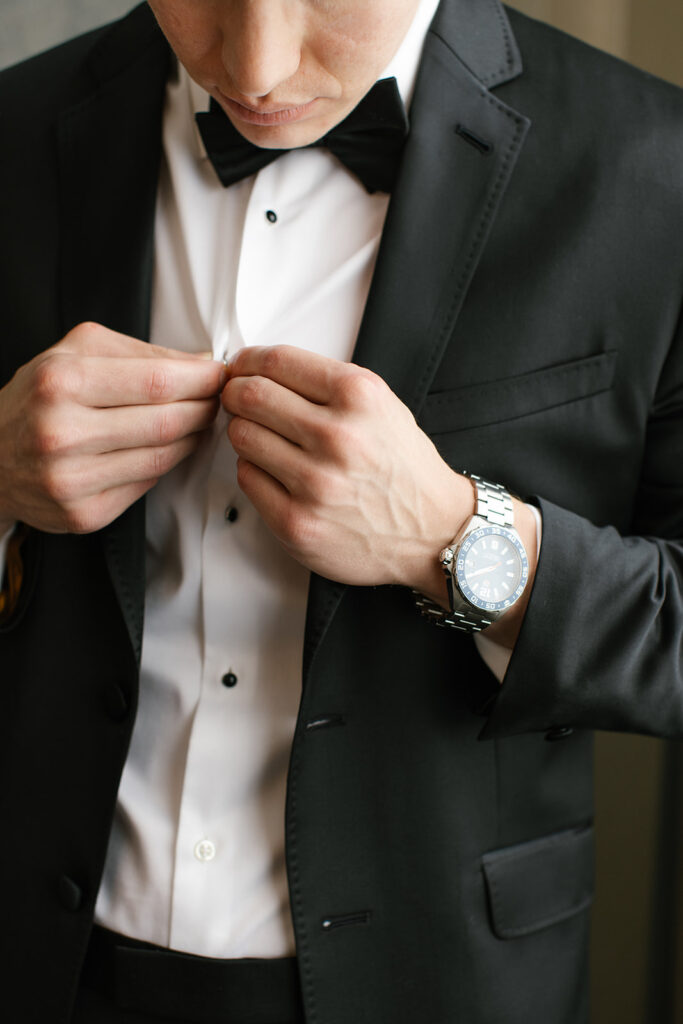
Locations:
(205, 850)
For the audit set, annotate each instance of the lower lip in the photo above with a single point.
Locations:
(274, 117)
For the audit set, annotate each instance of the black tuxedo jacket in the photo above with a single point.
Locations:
(526, 307)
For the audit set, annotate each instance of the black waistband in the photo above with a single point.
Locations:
(150, 979)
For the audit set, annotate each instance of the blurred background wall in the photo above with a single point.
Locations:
(648, 33)
(637, 950)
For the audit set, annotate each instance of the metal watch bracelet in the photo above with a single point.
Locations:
(473, 622)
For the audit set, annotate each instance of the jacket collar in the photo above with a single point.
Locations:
(478, 33)
(122, 43)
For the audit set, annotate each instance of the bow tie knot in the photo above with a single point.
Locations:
(369, 141)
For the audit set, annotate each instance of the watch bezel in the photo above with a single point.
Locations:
(457, 568)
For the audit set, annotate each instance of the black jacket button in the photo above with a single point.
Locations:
(116, 703)
(70, 894)
(558, 732)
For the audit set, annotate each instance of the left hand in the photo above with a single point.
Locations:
(340, 471)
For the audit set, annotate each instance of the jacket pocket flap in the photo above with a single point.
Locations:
(479, 405)
(539, 883)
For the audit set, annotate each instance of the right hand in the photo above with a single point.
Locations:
(90, 425)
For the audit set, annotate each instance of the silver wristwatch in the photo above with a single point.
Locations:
(486, 565)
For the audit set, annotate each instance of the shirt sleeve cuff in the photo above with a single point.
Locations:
(495, 655)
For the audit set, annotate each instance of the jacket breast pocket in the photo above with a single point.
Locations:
(497, 401)
(537, 884)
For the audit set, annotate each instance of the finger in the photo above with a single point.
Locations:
(308, 374)
(270, 499)
(102, 382)
(83, 478)
(139, 464)
(263, 401)
(96, 512)
(95, 339)
(295, 526)
(278, 457)
(143, 426)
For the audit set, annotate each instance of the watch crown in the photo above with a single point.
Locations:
(446, 556)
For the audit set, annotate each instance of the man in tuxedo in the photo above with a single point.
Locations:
(325, 363)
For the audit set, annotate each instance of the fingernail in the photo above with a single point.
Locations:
(205, 355)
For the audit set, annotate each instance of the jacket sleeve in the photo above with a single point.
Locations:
(601, 646)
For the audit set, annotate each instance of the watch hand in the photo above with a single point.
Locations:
(487, 568)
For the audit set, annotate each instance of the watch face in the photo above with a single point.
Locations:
(492, 568)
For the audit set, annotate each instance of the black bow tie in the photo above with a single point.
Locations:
(369, 141)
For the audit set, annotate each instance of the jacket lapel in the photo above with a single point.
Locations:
(110, 146)
(461, 152)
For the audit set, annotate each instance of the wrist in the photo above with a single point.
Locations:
(453, 509)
